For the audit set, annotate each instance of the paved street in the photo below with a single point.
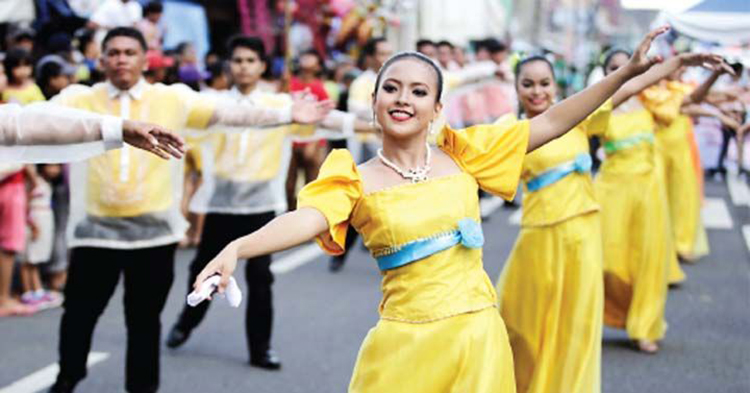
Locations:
(322, 318)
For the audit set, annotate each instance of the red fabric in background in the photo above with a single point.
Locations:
(316, 88)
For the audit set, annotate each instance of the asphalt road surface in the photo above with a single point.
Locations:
(321, 319)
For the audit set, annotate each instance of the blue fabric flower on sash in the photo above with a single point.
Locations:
(581, 164)
(468, 234)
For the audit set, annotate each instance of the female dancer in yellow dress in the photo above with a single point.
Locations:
(636, 231)
(551, 289)
(673, 140)
(439, 330)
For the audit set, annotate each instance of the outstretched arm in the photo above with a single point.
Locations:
(661, 71)
(47, 132)
(285, 231)
(303, 111)
(695, 110)
(565, 115)
(700, 93)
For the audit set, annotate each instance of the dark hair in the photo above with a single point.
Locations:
(415, 56)
(369, 49)
(533, 59)
(494, 46)
(46, 72)
(444, 43)
(15, 58)
(737, 68)
(610, 54)
(153, 7)
(124, 32)
(182, 46)
(83, 37)
(424, 42)
(316, 54)
(255, 44)
(214, 71)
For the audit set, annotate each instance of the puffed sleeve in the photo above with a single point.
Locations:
(598, 121)
(492, 154)
(334, 193)
(663, 103)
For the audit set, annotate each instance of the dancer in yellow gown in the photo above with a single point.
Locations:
(439, 330)
(636, 231)
(551, 289)
(673, 143)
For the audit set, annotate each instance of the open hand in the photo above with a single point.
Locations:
(305, 111)
(152, 138)
(707, 60)
(640, 62)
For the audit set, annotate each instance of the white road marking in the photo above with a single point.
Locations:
(45, 377)
(515, 218)
(295, 259)
(746, 233)
(488, 205)
(738, 190)
(715, 214)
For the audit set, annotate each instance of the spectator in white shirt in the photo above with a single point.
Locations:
(116, 13)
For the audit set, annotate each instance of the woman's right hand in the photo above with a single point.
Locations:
(223, 264)
(707, 60)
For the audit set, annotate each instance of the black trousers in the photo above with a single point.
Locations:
(92, 279)
(218, 231)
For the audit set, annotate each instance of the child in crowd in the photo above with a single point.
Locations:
(189, 73)
(149, 25)
(41, 238)
(21, 88)
(53, 74)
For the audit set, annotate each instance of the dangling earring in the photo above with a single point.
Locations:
(429, 128)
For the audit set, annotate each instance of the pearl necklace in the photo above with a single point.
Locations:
(416, 175)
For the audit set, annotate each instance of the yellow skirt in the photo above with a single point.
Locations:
(464, 353)
(683, 196)
(551, 299)
(637, 252)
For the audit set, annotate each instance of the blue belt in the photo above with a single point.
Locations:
(469, 234)
(581, 164)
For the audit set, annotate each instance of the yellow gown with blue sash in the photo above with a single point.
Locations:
(550, 290)
(439, 330)
(636, 231)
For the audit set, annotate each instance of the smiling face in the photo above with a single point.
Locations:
(406, 100)
(536, 87)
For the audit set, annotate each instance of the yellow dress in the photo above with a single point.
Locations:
(672, 141)
(24, 95)
(550, 290)
(439, 330)
(636, 233)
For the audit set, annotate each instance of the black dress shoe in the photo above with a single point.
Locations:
(177, 337)
(62, 386)
(268, 361)
(336, 264)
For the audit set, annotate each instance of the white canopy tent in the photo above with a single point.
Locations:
(726, 22)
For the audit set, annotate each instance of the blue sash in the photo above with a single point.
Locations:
(581, 164)
(468, 233)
